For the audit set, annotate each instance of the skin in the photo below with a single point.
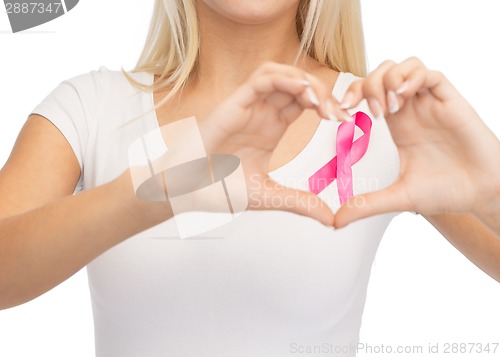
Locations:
(449, 173)
(46, 234)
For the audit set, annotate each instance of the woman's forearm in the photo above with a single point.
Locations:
(492, 219)
(41, 248)
(489, 211)
(472, 238)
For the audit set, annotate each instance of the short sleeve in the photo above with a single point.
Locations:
(71, 107)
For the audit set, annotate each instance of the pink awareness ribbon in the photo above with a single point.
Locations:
(348, 153)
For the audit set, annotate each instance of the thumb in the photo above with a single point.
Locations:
(278, 197)
(391, 199)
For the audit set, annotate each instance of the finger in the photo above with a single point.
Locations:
(278, 68)
(391, 199)
(258, 87)
(353, 95)
(440, 86)
(327, 105)
(277, 197)
(423, 80)
(374, 91)
(398, 78)
(279, 91)
(291, 112)
(279, 100)
(407, 87)
(303, 203)
(402, 82)
(411, 77)
(286, 94)
(317, 93)
(384, 87)
(414, 83)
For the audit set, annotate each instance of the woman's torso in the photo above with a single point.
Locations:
(264, 284)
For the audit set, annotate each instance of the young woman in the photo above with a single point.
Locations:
(268, 283)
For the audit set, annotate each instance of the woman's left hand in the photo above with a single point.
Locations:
(449, 157)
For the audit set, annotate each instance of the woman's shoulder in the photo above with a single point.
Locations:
(104, 81)
(97, 99)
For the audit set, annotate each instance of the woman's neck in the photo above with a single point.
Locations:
(230, 51)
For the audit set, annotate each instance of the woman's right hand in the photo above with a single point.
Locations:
(251, 122)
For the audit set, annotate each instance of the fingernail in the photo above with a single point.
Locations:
(312, 96)
(347, 117)
(305, 82)
(330, 110)
(347, 101)
(375, 107)
(392, 102)
(403, 87)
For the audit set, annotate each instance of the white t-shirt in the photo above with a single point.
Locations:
(267, 284)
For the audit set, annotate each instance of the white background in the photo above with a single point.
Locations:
(422, 290)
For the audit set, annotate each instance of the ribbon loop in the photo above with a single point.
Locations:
(348, 153)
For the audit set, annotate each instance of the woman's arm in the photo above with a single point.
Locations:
(46, 234)
(472, 238)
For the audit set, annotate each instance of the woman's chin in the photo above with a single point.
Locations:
(254, 12)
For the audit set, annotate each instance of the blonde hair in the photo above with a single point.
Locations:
(330, 31)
